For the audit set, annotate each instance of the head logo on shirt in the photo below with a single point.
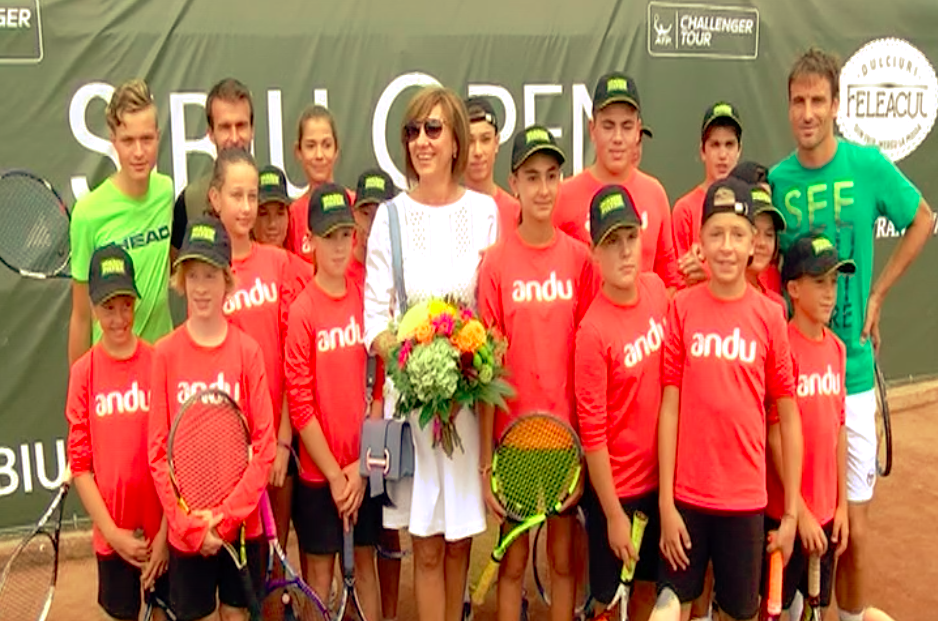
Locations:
(813, 384)
(256, 296)
(116, 402)
(184, 390)
(733, 347)
(644, 345)
(550, 290)
(338, 338)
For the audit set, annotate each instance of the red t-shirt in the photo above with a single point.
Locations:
(618, 383)
(571, 215)
(302, 271)
(299, 225)
(536, 297)
(265, 285)
(509, 212)
(107, 409)
(820, 367)
(325, 368)
(356, 271)
(181, 368)
(726, 357)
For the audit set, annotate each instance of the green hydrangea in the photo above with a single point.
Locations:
(433, 370)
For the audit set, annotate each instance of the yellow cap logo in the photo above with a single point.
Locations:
(611, 203)
(335, 200)
(270, 178)
(536, 134)
(113, 266)
(821, 245)
(761, 196)
(723, 110)
(203, 232)
(617, 84)
(375, 183)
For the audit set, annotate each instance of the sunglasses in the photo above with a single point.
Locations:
(433, 128)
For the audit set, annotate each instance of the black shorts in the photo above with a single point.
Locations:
(319, 527)
(194, 580)
(604, 565)
(119, 587)
(734, 542)
(796, 572)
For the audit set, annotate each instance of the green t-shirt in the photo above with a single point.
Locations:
(142, 227)
(842, 201)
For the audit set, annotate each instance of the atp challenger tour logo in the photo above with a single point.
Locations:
(20, 32)
(702, 30)
(888, 97)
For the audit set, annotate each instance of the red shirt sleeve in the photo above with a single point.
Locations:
(77, 413)
(673, 359)
(300, 365)
(665, 259)
(490, 307)
(682, 224)
(243, 499)
(589, 286)
(779, 370)
(771, 412)
(842, 350)
(192, 531)
(590, 380)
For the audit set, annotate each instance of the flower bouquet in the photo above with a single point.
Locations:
(444, 360)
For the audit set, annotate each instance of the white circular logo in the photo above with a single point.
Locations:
(888, 97)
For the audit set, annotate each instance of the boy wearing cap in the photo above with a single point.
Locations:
(207, 351)
(726, 353)
(535, 284)
(615, 130)
(373, 188)
(108, 402)
(768, 223)
(483, 151)
(618, 393)
(810, 273)
(325, 368)
(273, 207)
(721, 136)
(132, 208)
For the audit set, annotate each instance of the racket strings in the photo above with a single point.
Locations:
(27, 579)
(536, 464)
(209, 452)
(34, 235)
(288, 600)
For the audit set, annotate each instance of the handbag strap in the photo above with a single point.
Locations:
(371, 373)
(397, 258)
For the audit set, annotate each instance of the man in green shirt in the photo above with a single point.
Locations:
(132, 208)
(839, 189)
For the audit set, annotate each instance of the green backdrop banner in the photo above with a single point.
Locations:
(60, 60)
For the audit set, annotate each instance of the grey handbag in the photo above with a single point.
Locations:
(387, 446)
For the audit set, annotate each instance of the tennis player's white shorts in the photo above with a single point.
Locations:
(860, 423)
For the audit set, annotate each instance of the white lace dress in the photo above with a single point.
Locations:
(441, 249)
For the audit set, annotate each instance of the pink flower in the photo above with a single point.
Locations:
(404, 353)
(466, 314)
(444, 324)
(437, 429)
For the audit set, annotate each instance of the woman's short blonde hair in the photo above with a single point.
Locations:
(177, 280)
(454, 117)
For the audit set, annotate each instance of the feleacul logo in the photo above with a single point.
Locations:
(709, 31)
(20, 32)
(888, 97)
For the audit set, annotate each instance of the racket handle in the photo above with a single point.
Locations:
(267, 517)
(348, 552)
(639, 522)
(776, 568)
(814, 576)
(485, 582)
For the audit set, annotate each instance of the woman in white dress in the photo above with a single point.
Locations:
(444, 230)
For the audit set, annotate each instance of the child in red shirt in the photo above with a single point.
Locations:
(535, 284)
(208, 351)
(618, 392)
(108, 402)
(769, 223)
(810, 274)
(325, 368)
(726, 352)
(272, 226)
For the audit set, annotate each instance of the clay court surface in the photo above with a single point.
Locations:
(904, 517)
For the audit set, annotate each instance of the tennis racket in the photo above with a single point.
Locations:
(349, 594)
(583, 597)
(34, 236)
(535, 469)
(286, 596)
(209, 450)
(883, 425)
(154, 602)
(812, 611)
(776, 570)
(24, 594)
(639, 522)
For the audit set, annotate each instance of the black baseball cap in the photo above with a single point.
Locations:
(752, 173)
(329, 210)
(110, 274)
(616, 87)
(647, 131)
(813, 255)
(480, 109)
(612, 208)
(721, 113)
(374, 186)
(531, 140)
(730, 195)
(206, 240)
(272, 186)
(762, 203)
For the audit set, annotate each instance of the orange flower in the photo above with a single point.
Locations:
(471, 337)
(425, 332)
